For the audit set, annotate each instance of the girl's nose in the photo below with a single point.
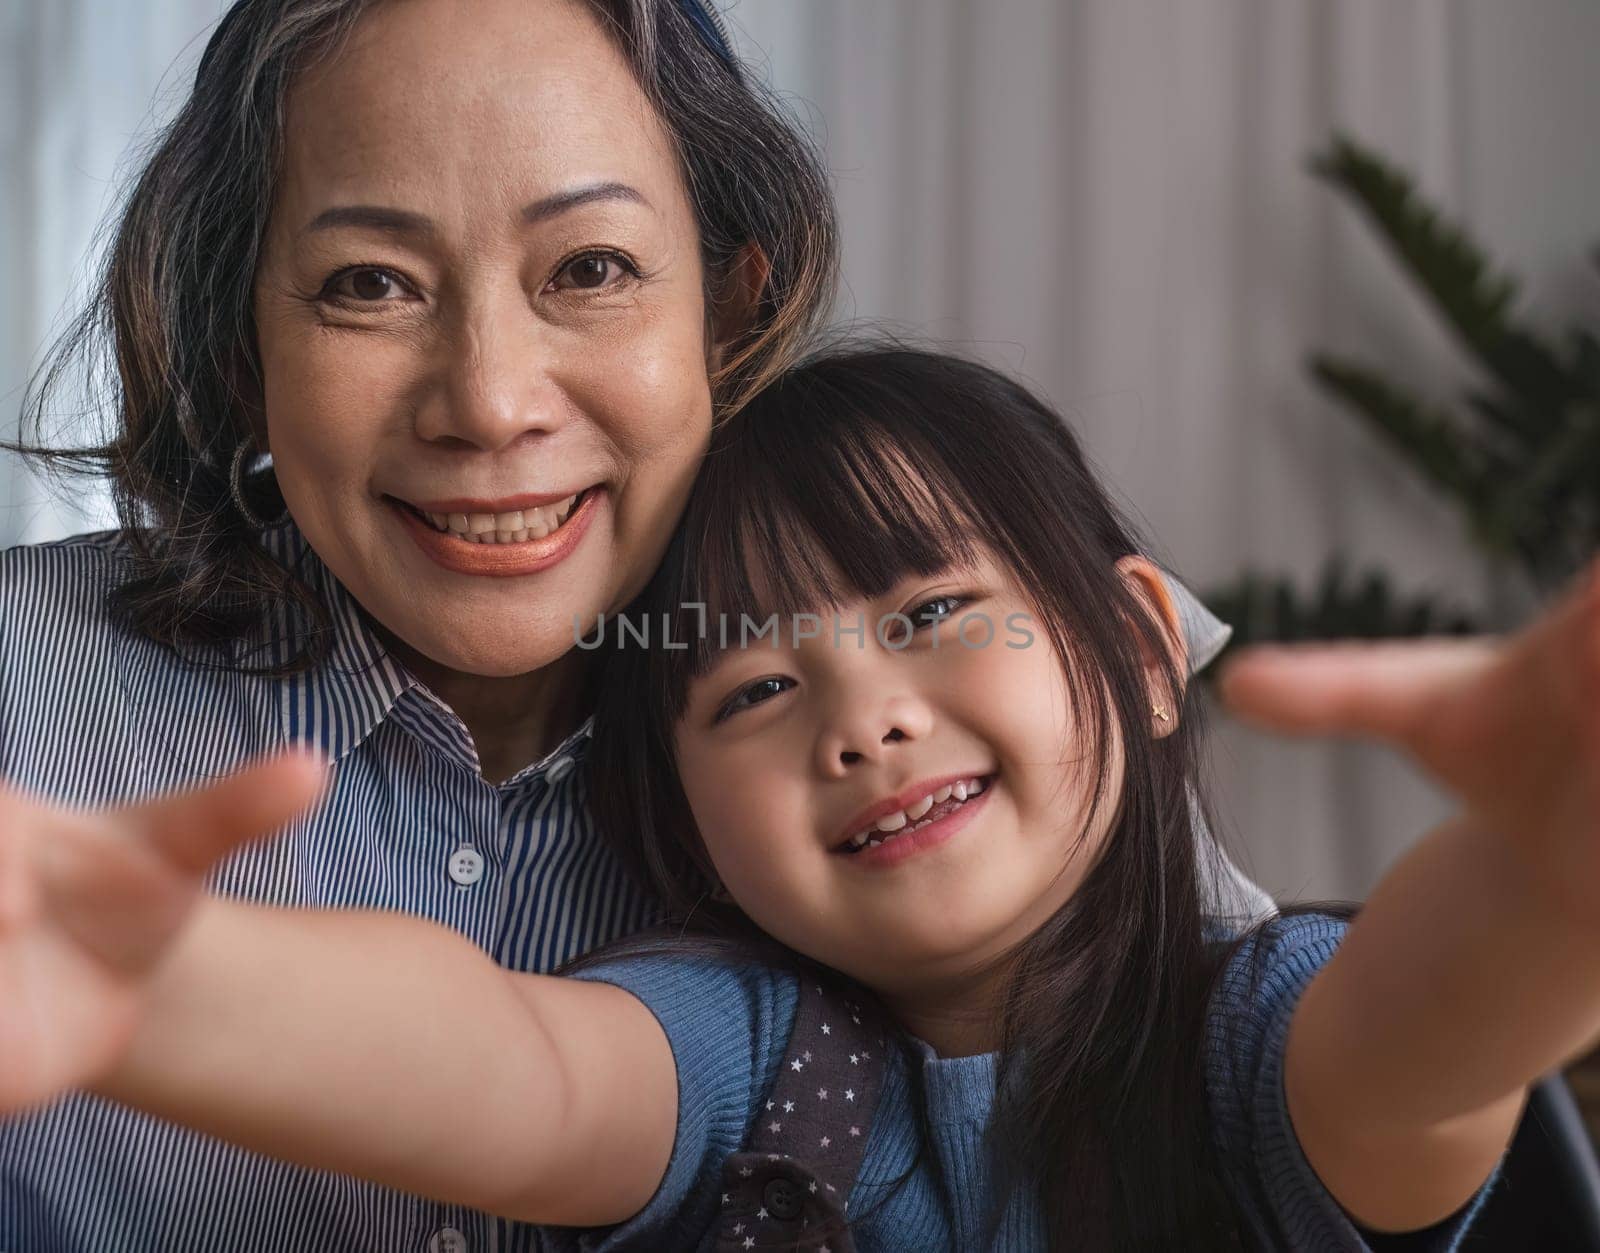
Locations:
(870, 731)
(495, 385)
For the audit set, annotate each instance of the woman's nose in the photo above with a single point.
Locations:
(865, 730)
(494, 385)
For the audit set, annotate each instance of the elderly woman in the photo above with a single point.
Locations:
(420, 315)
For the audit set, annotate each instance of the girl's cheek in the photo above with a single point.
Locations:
(727, 811)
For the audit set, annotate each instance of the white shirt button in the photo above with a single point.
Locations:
(559, 769)
(466, 868)
(447, 1240)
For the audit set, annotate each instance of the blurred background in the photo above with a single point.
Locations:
(1112, 199)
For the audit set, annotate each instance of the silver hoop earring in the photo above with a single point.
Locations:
(236, 482)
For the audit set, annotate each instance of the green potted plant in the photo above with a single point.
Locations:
(1517, 453)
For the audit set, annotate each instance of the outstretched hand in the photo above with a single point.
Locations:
(1511, 726)
(91, 902)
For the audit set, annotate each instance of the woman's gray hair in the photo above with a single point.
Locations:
(169, 332)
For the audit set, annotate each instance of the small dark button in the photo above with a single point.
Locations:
(783, 1199)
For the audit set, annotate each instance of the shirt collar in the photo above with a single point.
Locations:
(338, 704)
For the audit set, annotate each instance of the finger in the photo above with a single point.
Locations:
(196, 828)
(17, 889)
(1385, 691)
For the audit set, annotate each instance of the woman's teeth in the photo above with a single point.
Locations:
(916, 815)
(514, 527)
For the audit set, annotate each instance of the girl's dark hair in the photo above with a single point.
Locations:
(890, 462)
(169, 332)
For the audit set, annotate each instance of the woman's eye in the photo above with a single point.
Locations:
(757, 692)
(366, 285)
(592, 271)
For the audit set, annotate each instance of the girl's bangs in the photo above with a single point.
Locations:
(806, 510)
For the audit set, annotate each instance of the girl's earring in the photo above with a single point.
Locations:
(1160, 713)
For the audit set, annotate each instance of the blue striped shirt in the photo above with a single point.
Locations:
(93, 715)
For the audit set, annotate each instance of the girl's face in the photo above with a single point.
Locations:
(788, 754)
(481, 297)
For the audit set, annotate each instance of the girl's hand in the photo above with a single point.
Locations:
(1512, 726)
(90, 903)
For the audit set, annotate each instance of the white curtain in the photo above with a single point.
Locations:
(1106, 196)
(83, 83)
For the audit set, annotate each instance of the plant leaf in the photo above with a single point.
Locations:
(1431, 440)
(1266, 609)
(1456, 276)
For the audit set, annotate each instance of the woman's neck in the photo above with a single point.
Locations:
(513, 719)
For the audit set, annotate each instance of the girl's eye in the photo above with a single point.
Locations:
(757, 692)
(924, 614)
(592, 271)
(935, 610)
(365, 285)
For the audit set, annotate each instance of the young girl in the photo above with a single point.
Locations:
(919, 775)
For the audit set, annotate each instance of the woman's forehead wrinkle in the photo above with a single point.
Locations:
(534, 98)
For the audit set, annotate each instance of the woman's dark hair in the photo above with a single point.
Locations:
(169, 332)
(1101, 1107)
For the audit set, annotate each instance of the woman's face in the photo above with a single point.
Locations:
(480, 296)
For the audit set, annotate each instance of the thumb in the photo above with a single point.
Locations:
(196, 828)
(1384, 691)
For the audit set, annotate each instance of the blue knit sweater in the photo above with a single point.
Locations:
(729, 1025)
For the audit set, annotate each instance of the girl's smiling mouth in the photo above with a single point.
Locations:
(892, 835)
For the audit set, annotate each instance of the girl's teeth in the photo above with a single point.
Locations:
(909, 819)
(458, 523)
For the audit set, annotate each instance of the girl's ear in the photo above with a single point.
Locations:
(736, 298)
(1149, 589)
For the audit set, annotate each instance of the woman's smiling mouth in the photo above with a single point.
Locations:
(512, 526)
(500, 538)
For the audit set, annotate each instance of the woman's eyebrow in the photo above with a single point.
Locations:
(564, 201)
(406, 222)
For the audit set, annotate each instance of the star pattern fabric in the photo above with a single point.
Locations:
(790, 1186)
